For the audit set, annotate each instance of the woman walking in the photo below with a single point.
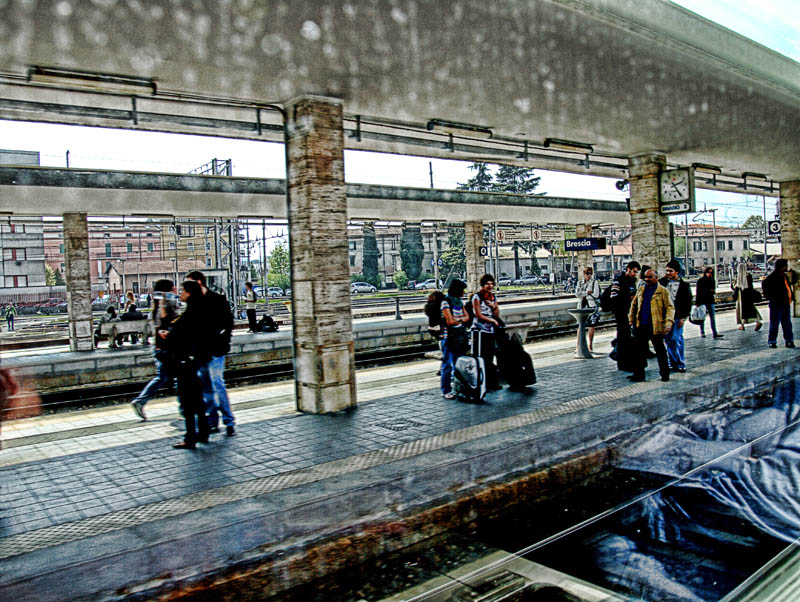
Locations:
(588, 293)
(455, 339)
(164, 314)
(704, 295)
(745, 295)
(186, 344)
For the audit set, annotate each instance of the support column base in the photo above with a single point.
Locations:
(325, 378)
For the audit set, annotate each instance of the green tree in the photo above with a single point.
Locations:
(515, 180)
(754, 222)
(411, 252)
(59, 278)
(279, 266)
(481, 181)
(454, 263)
(371, 254)
(49, 275)
(400, 279)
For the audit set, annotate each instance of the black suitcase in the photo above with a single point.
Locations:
(516, 365)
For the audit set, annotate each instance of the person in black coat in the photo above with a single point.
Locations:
(778, 290)
(622, 292)
(190, 349)
(705, 295)
(681, 294)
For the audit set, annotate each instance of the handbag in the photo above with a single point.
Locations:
(458, 339)
(698, 314)
(594, 318)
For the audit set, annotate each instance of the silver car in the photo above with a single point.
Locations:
(362, 287)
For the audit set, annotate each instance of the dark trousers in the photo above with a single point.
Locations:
(780, 315)
(487, 352)
(644, 334)
(190, 396)
(625, 346)
(251, 319)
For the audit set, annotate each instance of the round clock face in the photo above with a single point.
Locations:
(675, 185)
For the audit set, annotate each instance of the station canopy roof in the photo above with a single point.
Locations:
(620, 77)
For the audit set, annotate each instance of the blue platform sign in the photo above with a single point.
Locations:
(584, 244)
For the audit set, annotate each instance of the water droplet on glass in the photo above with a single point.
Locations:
(310, 31)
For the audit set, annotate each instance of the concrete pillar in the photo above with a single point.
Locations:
(323, 331)
(585, 258)
(79, 283)
(790, 232)
(476, 264)
(649, 229)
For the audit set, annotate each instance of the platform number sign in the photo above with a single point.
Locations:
(774, 228)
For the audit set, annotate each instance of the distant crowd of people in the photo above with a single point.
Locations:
(650, 312)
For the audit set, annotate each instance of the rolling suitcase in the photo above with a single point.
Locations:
(516, 365)
(469, 376)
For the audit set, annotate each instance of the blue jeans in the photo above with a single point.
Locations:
(675, 346)
(214, 393)
(780, 315)
(711, 320)
(448, 360)
(161, 379)
(10, 323)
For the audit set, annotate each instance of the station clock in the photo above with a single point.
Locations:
(676, 190)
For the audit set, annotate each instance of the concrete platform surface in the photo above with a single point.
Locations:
(97, 505)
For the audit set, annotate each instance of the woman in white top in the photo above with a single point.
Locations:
(588, 294)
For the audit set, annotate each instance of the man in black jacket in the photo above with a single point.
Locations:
(218, 327)
(681, 294)
(779, 292)
(622, 292)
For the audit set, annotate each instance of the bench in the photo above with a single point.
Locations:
(112, 330)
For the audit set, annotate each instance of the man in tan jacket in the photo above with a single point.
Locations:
(651, 316)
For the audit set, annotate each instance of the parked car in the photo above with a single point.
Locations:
(504, 281)
(362, 287)
(430, 283)
(288, 292)
(528, 280)
(274, 291)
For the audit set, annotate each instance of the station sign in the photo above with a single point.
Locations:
(774, 228)
(484, 251)
(673, 208)
(505, 235)
(584, 244)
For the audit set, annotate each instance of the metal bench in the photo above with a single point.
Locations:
(112, 330)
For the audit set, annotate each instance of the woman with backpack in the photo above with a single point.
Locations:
(455, 339)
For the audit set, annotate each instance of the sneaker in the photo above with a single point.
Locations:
(681, 370)
(718, 336)
(184, 445)
(230, 431)
(213, 429)
(703, 336)
(449, 395)
(138, 408)
(790, 344)
(772, 345)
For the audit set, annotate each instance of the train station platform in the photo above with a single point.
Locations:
(96, 504)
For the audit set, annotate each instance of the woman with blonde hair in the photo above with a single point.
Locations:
(746, 297)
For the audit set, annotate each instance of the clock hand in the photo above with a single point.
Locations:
(678, 190)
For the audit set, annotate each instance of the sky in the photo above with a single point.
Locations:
(773, 23)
